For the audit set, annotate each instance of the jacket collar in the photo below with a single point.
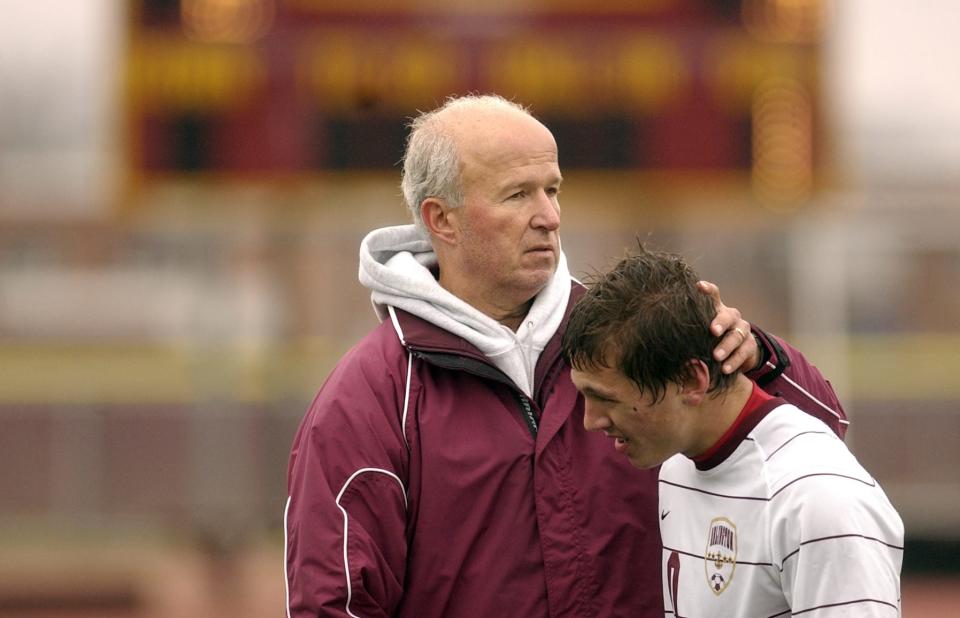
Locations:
(420, 335)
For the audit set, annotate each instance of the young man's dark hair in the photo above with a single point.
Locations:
(646, 318)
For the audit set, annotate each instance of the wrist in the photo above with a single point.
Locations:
(760, 357)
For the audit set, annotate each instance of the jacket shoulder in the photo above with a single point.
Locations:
(369, 376)
(379, 350)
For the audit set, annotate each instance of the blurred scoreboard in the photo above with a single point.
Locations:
(264, 87)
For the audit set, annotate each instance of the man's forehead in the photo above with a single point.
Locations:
(539, 169)
(595, 378)
(514, 157)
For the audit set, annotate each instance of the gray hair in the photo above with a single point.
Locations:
(431, 163)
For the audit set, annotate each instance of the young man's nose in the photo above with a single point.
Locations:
(593, 420)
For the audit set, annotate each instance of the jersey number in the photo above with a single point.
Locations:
(673, 580)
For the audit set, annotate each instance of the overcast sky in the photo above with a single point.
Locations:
(893, 72)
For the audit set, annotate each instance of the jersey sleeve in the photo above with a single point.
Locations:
(346, 513)
(787, 374)
(839, 545)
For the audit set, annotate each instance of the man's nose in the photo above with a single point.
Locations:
(593, 420)
(547, 215)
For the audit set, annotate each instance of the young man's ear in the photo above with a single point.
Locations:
(440, 220)
(696, 384)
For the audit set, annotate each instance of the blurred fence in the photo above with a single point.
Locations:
(155, 368)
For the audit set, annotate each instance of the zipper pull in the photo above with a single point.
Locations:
(529, 416)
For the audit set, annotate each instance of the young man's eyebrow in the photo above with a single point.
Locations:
(597, 394)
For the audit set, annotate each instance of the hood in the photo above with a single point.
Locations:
(396, 263)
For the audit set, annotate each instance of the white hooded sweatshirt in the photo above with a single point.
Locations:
(395, 265)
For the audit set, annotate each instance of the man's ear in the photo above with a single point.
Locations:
(440, 220)
(696, 384)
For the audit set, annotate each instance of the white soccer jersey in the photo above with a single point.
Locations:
(786, 524)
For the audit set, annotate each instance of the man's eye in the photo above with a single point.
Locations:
(516, 196)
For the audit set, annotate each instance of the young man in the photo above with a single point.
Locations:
(443, 469)
(763, 510)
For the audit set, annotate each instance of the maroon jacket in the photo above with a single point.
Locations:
(423, 483)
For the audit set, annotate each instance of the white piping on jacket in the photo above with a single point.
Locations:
(346, 563)
(396, 324)
(286, 510)
(286, 546)
(406, 394)
(406, 399)
(842, 421)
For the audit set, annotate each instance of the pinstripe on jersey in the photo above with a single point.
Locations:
(789, 523)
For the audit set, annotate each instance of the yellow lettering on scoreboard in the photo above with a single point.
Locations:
(738, 65)
(652, 71)
(168, 73)
(342, 71)
(345, 71)
(541, 73)
(637, 74)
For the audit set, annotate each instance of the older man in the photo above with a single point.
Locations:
(443, 469)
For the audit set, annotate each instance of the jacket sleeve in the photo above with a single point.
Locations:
(346, 512)
(785, 373)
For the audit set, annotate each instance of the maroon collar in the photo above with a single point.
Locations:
(757, 407)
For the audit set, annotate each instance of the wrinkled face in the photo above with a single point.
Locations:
(647, 432)
(509, 221)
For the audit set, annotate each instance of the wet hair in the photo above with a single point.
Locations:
(431, 163)
(646, 318)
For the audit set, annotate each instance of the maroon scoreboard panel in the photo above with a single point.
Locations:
(259, 88)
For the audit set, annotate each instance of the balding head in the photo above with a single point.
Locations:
(432, 164)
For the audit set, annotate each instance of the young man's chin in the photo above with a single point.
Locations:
(644, 464)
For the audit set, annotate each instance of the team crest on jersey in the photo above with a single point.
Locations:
(720, 558)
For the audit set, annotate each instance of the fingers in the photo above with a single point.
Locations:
(731, 342)
(726, 318)
(710, 289)
(737, 347)
(744, 350)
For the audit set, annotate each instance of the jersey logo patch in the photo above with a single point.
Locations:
(720, 558)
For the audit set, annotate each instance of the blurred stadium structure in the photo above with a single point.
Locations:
(184, 184)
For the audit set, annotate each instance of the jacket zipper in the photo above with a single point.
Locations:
(528, 415)
(483, 370)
